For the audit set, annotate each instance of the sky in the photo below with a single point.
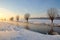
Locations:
(36, 8)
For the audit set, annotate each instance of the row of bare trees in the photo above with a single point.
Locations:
(26, 16)
(52, 13)
(12, 18)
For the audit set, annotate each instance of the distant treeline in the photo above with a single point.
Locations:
(45, 18)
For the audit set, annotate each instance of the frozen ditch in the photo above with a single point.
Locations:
(12, 32)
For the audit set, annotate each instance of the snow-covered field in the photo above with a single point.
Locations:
(13, 32)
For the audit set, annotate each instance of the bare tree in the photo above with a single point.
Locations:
(52, 12)
(26, 16)
(17, 17)
(12, 18)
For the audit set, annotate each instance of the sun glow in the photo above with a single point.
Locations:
(5, 13)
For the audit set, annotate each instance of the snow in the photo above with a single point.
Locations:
(13, 32)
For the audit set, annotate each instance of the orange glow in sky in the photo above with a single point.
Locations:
(4, 13)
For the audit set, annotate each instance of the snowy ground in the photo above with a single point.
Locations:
(13, 32)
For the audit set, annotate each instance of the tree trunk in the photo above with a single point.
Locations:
(52, 21)
(27, 20)
(52, 24)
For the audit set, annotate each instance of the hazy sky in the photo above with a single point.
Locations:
(36, 8)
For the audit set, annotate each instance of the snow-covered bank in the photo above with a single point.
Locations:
(12, 32)
(26, 35)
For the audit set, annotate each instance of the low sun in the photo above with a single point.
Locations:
(5, 13)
